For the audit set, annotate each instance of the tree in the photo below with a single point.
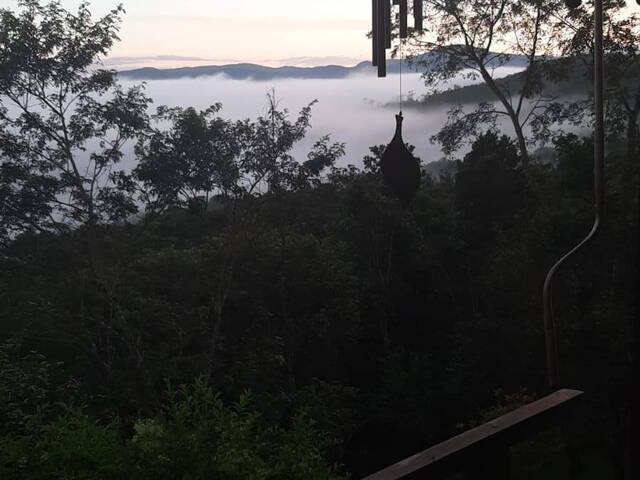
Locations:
(199, 155)
(202, 155)
(473, 38)
(622, 53)
(195, 436)
(267, 166)
(63, 123)
(489, 185)
(266, 162)
(187, 164)
(622, 96)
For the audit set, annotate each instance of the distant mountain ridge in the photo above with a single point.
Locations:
(251, 71)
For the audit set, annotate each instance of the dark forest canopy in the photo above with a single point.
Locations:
(225, 310)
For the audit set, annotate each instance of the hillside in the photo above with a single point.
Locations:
(250, 71)
(480, 92)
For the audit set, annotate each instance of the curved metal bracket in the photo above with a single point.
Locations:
(551, 336)
(550, 333)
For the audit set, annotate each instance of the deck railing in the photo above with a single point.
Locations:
(483, 452)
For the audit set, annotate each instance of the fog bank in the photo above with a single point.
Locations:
(350, 110)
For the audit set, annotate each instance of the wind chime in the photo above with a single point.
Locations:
(400, 169)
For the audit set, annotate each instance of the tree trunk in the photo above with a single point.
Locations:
(290, 328)
(216, 316)
(220, 291)
(632, 136)
(522, 141)
(513, 115)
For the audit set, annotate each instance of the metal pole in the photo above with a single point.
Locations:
(633, 455)
(599, 104)
(550, 330)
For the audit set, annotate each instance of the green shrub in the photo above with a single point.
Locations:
(196, 437)
(199, 437)
(74, 447)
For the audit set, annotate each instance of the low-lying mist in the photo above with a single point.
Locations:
(350, 110)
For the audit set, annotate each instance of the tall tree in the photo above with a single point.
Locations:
(622, 52)
(63, 122)
(622, 81)
(473, 39)
(193, 160)
(194, 155)
(267, 164)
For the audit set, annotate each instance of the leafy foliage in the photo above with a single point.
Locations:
(196, 437)
(365, 331)
(63, 123)
(473, 39)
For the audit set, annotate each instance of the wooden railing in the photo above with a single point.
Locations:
(483, 452)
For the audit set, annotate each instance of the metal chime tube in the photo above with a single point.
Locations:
(418, 15)
(374, 32)
(404, 18)
(383, 26)
(381, 36)
(388, 27)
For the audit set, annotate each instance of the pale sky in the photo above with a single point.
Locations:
(240, 30)
(248, 30)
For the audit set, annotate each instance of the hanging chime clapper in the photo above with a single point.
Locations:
(399, 168)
